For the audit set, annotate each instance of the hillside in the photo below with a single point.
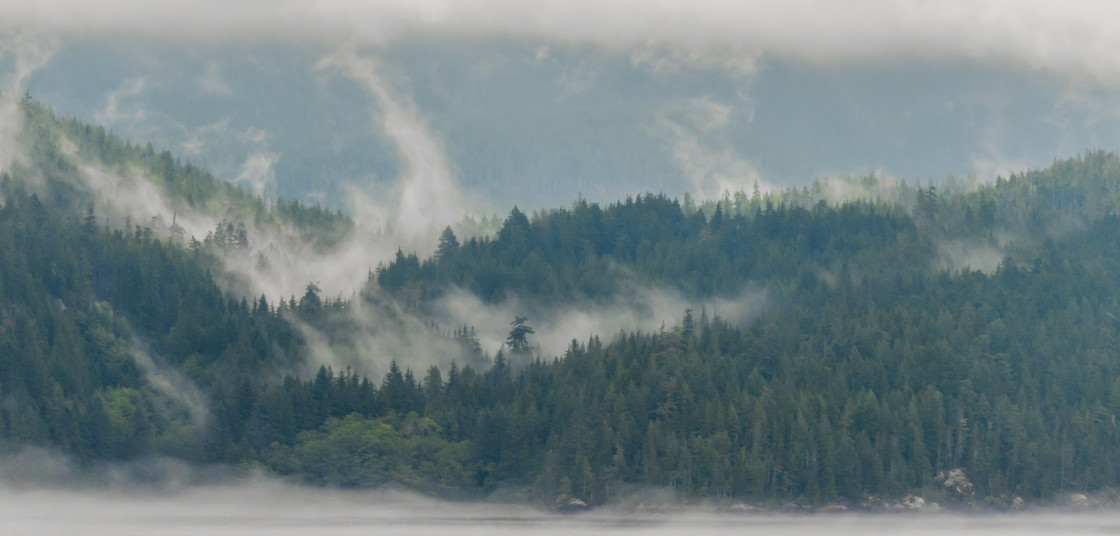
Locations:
(855, 345)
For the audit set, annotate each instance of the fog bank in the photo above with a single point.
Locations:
(269, 507)
(1078, 38)
(637, 308)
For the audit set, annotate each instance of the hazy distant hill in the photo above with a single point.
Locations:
(536, 123)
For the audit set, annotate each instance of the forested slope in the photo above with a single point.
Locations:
(875, 371)
(58, 150)
(881, 360)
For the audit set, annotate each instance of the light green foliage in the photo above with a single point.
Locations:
(358, 452)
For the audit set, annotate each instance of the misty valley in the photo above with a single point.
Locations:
(859, 344)
(180, 352)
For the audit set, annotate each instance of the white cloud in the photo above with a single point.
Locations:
(257, 172)
(956, 255)
(988, 167)
(578, 79)
(635, 308)
(27, 51)
(136, 197)
(542, 54)
(222, 149)
(737, 60)
(211, 81)
(203, 137)
(176, 389)
(114, 112)
(426, 197)
(9, 131)
(1076, 37)
(695, 133)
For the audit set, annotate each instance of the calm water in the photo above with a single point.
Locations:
(280, 510)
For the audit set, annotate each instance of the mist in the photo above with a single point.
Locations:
(260, 505)
(9, 131)
(176, 391)
(414, 116)
(367, 337)
(636, 308)
(137, 197)
(1073, 38)
(279, 262)
(407, 214)
(21, 54)
(427, 198)
(957, 255)
(697, 135)
(374, 330)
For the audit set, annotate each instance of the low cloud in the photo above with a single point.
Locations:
(10, 120)
(135, 197)
(426, 197)
(695, 133)
(116, 111)
(577, 79)
(177, 391)
(239, 156)
(957, 255)
(376, 334)
(636, 308)
(32, 473)
(988, 167)
(278, 261)
(211, 81)
(201, 140)
(200, 502)
(1075, 38)
(370, 333)
(662, 60)
(876, 186)
(164, 496)
(23, 52)
(257, 172)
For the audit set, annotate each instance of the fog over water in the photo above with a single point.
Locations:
(279, 509)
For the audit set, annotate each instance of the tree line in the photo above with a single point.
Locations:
(872, 370)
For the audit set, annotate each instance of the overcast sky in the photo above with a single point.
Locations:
(1078, 38)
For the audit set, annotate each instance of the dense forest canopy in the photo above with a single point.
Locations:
(913, 335)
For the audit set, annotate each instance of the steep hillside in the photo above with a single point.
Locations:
(820, 347)
(78, 164)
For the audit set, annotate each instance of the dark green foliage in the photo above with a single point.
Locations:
(872, 379)
(75, 301)
(44, 136)
(872, 369)
(518, 340)
(576, 254)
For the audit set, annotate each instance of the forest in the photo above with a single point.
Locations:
(910, 333)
